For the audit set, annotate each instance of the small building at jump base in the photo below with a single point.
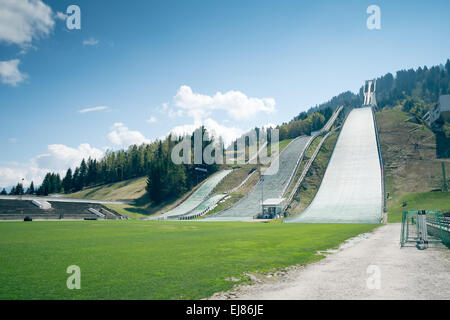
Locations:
(272, 208)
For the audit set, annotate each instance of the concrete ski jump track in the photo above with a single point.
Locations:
(273, 185)
(197, 197)
(351, 189)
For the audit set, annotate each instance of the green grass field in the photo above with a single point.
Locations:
(151, 260)
(438, 201)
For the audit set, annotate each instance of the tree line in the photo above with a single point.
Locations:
(169, 180)
(305, 123)
(416, 90)
(164, 178)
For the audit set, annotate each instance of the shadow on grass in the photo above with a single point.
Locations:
(146, 207)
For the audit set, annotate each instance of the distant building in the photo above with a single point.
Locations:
(441, 110)
(444, 106)
(272, 208)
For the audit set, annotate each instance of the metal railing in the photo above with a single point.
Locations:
(305, 170)
(437, 225)
(383, 186)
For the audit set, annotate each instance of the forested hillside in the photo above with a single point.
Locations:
(417, 91)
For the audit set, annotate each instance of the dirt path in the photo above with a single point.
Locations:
(406, 273)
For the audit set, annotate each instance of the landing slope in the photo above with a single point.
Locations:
(198, 196)
(351, 190)
(273, 185)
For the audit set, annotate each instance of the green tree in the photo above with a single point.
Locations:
(67, 183)
(19, 189)
(83, 174)
(31, 188)
(77, 180)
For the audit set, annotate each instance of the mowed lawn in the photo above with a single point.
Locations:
(437, 201)
(151, 259)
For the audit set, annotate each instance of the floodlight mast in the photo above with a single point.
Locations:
(21, 193)
(262, 191)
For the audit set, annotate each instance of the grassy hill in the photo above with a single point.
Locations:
(127, 190)
(411, 165)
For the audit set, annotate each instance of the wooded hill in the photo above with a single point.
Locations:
(416, 90)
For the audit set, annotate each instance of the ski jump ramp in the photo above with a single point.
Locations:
(274, 185)
(200, 195)
(351, 189)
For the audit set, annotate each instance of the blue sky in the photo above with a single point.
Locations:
(158, 65)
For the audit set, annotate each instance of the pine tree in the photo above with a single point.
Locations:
(3, 193)
(46, 186)
(67, 183)
(19, 189)
(83, 174)
(31, 188)
(77, 180)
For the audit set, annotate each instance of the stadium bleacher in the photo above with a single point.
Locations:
(19, 209)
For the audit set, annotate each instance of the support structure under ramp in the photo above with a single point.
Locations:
(351, 189)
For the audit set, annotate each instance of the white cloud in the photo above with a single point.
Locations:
(21, 21)
(12, 140)
(169, 111)
(228, 134)
(152, 119)
(90, 42)
(61, 16)
(10, 176)
(121, 136)
(199, 107)
(10, 74)
(235, 103)
(269, 125)
(175, 113)
(61, 157)
(57, 159)
(98, 108)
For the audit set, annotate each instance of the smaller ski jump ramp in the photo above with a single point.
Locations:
(273, 186)
(198, 196)
(351, 189)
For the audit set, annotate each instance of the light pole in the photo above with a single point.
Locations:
(21, 193)
(262, 192)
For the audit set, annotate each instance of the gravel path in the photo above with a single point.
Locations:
(405, 273)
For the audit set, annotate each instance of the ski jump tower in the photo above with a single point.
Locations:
(369, 93)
